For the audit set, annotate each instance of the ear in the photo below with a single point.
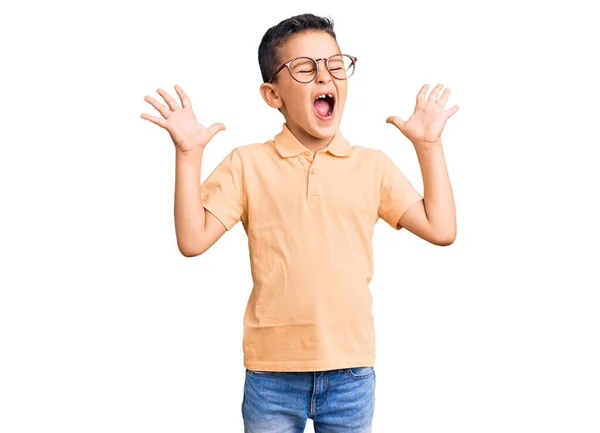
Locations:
(270, 95)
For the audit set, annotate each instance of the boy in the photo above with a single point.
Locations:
(308, 201)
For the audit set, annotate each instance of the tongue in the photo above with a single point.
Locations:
(322, 107)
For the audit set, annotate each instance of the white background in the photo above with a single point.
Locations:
(106, 327)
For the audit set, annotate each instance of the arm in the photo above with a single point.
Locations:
(196, 228)
(434, 217)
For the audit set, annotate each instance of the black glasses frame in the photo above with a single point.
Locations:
(316, 62)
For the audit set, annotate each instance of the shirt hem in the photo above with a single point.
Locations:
(219, 213)
(322, 365)
(394, 219)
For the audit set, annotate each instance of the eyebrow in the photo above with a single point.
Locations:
(309, 57)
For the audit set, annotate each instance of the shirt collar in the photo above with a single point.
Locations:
(288, 145)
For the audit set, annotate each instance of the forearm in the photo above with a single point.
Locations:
(189, 209)
(438, 196)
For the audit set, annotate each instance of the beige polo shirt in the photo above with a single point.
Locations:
(310, 220)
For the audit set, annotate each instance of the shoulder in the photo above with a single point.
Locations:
(364, 151)
(384, 160)
(377, 161)
(254, 149)
(241, 154)
(368, 154)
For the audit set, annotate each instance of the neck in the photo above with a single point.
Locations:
(312, 143)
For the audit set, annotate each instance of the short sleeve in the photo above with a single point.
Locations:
(397, 194)
(223, 190)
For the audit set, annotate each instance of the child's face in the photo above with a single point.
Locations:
(297, 100)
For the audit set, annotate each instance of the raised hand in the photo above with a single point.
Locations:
(425, 125)
(181, 123)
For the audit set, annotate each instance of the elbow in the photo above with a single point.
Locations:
(190, 254)
(186, 253)
(445, 240)
(190, 245)
(189, 251)
(443, 235)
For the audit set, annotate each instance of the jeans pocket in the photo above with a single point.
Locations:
(360, 372)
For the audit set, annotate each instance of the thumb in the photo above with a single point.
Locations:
(214, 128)
(397, 122)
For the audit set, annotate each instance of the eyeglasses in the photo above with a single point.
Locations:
(305, 69)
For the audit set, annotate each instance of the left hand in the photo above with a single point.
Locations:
(427, 122)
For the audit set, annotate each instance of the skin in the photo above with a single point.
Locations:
(432, 219)
(195, 227)
(296, 99)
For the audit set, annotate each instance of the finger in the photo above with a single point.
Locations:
(444, 98)
(168, 99)
(185, 100)
(160, 122)
(421, 94)
(214, 128)
(451, 111)
(159, 106)
(433, 96)
(397, 122)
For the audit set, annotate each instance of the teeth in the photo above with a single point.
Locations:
(324, 96)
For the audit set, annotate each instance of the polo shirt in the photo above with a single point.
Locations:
(309, 218)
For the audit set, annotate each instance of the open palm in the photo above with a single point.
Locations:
(181, 123)
(427, 122)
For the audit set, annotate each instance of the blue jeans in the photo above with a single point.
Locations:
(338, 401)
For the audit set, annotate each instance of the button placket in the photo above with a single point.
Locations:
(312, 180)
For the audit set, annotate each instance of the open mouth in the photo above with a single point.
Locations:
(324, 106)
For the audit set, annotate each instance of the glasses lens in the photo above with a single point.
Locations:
(341, 66)
(303, 69)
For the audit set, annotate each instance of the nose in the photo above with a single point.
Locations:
(323, 75)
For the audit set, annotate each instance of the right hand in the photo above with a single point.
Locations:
(187, 133)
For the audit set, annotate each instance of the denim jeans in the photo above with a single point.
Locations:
(338, 401)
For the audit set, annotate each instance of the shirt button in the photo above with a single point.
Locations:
(313, 171)
(307, 153)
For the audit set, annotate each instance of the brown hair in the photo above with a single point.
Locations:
(268, 57)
